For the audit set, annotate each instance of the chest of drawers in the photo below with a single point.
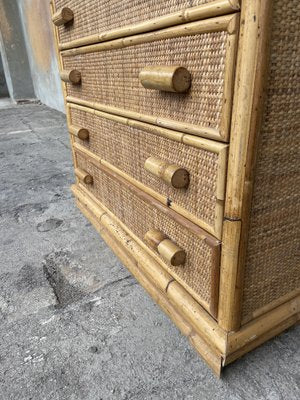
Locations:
(184, 125)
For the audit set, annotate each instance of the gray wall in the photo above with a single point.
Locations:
(38, 34)
(3, 86)
(13, 52)
(28, 52)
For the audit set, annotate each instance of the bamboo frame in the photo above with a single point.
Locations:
(204, 11)
(219, 343)
(247, 110)
(205, 144)
(229, 23)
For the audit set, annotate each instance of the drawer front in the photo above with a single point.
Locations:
(199, 274)
(128, 148)
(110, 77)
(93, 17)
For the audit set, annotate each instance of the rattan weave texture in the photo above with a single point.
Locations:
(111, 78)
(95, 16)
(139, 216)
(128, 148)
(273, 257)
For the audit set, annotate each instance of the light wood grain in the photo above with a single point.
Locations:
(175, 176)
(81, 133)
(63, 16)
(71, 76)
(83, 176)
(168, 78)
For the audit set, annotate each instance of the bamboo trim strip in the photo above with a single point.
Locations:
(116, 173)
(262, 325)
(194, 141)
(193, 28)
(274, 331)
(204, 324)
(204, 350)
(247, 109)
(212, 9)
(197, 130)
(230, 67)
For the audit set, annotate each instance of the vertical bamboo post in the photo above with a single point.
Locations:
(247, 110)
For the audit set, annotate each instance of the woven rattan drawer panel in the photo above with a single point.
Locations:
(200, 271)
(128, 148)
(110, 78)
(96, 16)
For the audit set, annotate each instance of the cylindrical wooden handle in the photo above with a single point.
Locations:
(71, 76)
(172, 174)
(81, 133)
(84, 176)
(168, 78)
(169, 250)
(63, 16)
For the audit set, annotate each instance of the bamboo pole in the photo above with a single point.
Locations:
(203, 11)
(247, 108)
(193, 28)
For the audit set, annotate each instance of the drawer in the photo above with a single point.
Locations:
(128, 144)
(94, 18)
(140, 213)
(111, 81)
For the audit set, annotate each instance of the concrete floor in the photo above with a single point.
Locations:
(74, 323)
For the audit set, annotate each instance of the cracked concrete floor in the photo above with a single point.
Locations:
(74, 323)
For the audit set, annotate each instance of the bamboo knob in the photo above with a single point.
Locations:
(63, 16)
(84, 176)
(71, 76)
(167, 78)
(172, 174)
(81, 133)
(169, 250)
